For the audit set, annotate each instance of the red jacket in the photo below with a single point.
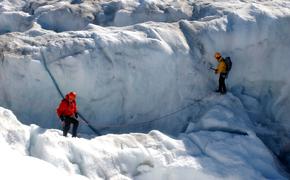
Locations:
(66, 107)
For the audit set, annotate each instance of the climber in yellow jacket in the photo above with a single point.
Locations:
(222, 70)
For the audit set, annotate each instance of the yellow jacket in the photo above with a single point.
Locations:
(221, 67)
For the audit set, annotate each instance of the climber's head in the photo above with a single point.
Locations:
(217, 55)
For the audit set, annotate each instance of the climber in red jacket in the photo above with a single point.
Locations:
(67, 112)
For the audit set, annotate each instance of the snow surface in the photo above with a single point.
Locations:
(132, 62)
(198, 155)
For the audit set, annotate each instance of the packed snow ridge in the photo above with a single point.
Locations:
(76, 14)
(134, 62)
(199, 155)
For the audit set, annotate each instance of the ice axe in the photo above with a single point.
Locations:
(211, 68)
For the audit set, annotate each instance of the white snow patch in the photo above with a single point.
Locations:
(205, 154)
(15, 22)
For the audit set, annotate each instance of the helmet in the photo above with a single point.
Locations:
(217, 55)
(72, 95)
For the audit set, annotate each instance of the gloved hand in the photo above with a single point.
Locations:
(62, 123)
(62, 118)
(76, 114)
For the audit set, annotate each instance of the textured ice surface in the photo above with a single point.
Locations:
(35, 153)
(136, 61)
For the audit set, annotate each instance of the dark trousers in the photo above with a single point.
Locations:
(67, 121)
(222, 85)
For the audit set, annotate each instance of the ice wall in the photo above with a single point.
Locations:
(114, 86)
(141, 72)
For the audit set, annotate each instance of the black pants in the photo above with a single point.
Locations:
(222, 85)
(67, 121)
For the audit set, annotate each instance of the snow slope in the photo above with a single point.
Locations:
(16, 162)
(197, 155)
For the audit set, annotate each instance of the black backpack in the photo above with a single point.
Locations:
(228, 62)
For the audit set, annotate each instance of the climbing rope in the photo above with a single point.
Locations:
(50, 75)
(155, 119)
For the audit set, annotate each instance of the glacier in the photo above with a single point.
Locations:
(132, 63)
(202, 154)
